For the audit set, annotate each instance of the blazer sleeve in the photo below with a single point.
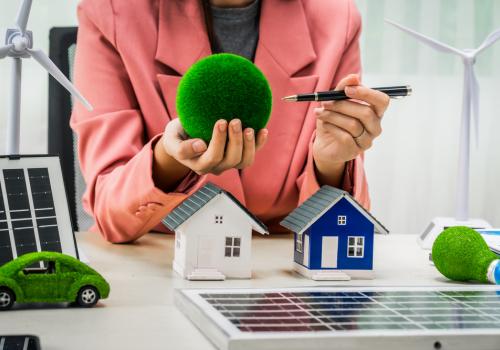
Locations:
(354, 180)
(115, 156)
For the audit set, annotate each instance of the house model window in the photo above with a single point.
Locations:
(219, 219)
(233, 246)
(341, 220)
(356, 247)
(298, 243)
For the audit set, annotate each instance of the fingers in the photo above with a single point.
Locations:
(342, 136)
(146, 210)
(352, 125)
(218, 156)
(262, 138)
(378, 100)
(215, 151)
(364, 141)
(234, 148)
(248, 156)
(350, 80)
(364, 114)
(176, 146)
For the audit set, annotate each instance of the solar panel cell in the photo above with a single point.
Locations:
(5, 247)
(25, 240)
(43, 203)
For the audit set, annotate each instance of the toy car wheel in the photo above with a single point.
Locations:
(88, 296)
(7, 299)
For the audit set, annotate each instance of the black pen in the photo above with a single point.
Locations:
(392, 91)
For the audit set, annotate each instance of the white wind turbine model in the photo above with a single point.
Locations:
(470, 108)
(19, 45)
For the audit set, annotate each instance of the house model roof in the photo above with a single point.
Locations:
(198, 200)
(315, 206)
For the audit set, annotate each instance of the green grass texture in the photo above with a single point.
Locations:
(223, 86)
(461, 254)
(71, 275)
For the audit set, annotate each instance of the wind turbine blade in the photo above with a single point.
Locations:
(474, 98)
(428, 41)
(4, 50)
(50, 67)
(490, 40)
(23, 15)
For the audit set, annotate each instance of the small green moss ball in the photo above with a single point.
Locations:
(461, 254)
(222, 86)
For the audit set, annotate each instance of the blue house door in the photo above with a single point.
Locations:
(329, 250)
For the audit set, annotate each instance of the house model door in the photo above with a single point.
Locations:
(329, 250)
(206, 252)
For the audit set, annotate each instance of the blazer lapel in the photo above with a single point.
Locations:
(182, 37)
(182, 41)
(284, 34)
(285, 50)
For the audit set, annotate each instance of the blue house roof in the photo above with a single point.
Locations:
(314, 207)
(198, 200)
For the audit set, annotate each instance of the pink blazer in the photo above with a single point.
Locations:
(130, 58)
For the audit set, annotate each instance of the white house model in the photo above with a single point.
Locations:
(213, 235)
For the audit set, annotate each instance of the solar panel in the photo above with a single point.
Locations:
(347, 318)
(19, 342)
(34, 214)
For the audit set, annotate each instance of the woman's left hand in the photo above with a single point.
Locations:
(345, 129)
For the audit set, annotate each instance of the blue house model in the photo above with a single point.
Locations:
(334, 236)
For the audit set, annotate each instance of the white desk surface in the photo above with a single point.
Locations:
(140, 313)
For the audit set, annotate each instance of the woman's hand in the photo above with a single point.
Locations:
(344, 129)
(230, 147)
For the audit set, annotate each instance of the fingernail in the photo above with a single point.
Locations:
(199, 146)
(236, 125)
(318, 110)
(350, 90)
(249, 134)
(265, 132)
(222, 125)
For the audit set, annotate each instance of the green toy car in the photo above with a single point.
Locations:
(49, 277)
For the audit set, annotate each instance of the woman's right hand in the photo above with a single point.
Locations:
(220, 154)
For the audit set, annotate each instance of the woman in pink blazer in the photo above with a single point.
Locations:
(135, 159)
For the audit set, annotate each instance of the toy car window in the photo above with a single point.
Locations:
(48, 269)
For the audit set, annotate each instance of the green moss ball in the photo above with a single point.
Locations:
(461, 254)
(222, 86)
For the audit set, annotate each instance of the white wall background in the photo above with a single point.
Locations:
(412, 168)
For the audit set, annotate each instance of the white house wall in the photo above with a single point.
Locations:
(235, 224)
(180, 252)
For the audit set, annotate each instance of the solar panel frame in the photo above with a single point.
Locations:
(226, 335)
(26, 221)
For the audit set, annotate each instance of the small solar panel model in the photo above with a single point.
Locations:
(334, 236)
(213, 235)
(354, 318)
(34, 214)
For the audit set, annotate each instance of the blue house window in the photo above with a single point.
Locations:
(342, 220)
(298, 242)
(356, 247)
